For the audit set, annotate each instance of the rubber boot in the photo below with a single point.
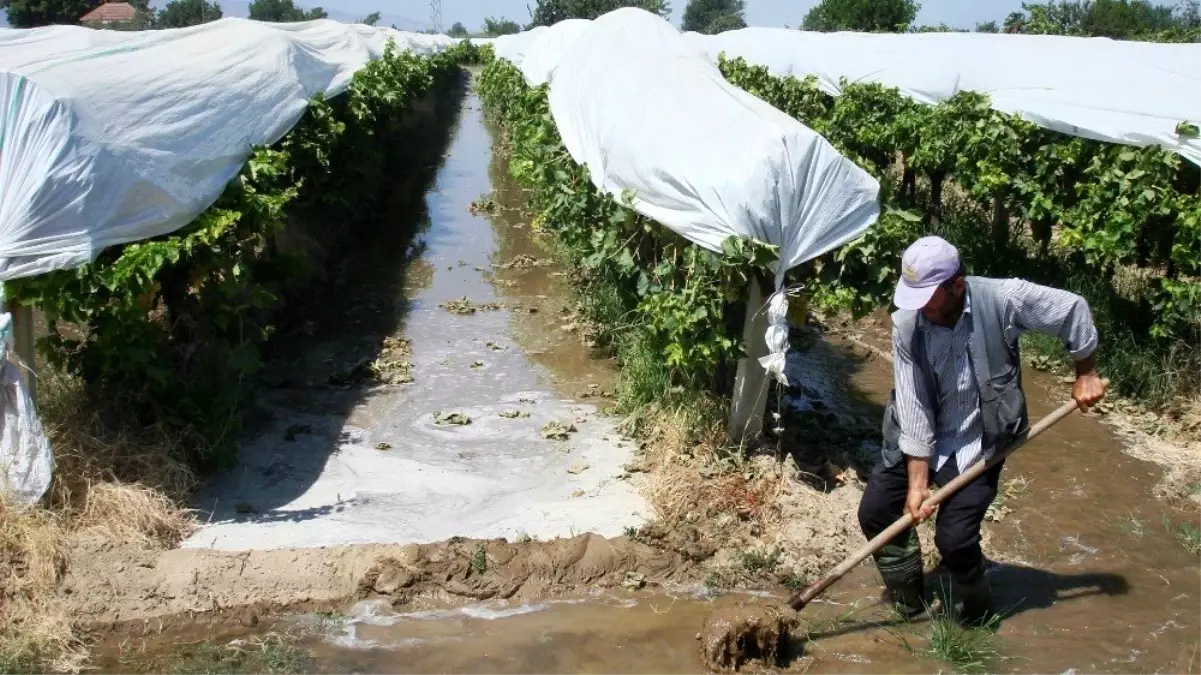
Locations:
(975, 592)
(900, 566)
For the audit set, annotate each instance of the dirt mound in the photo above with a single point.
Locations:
(486, 570)
(108, 584)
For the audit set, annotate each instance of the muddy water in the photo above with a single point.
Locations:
(459, 450)
(1081, 590)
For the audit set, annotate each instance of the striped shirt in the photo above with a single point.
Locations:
(957, 429)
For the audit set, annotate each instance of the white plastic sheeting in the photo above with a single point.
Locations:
(539, 50)
(112, 137)
(26, 462)
(646, 111)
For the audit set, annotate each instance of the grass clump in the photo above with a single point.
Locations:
(114, 479)
(968, 650)
(758, 562)
(1131, 526)
(479, 560)
(1188, 534)
(270, 653)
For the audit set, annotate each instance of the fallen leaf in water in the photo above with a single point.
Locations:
(451, 418)
(513, 414)
(556, 431)
(477, 364)
(383, 446)
(578, 467)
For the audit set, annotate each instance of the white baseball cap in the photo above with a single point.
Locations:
(927, 263)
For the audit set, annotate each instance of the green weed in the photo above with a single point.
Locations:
(795, 581)
(1132, 526)
(1186, 533)
(270, 653)
(969, 650)
(479, 560)
(758, 562)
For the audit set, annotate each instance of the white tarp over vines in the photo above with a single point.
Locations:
(651, 116)
(109, 137)
(1125, 92)
(1130, 93)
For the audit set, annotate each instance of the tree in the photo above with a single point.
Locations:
(501, 26)
(868, 16)
(34, 13)
(723, 23)
(457, 30)
(1118, 19)
(183, 13)
(714, 16)
(1014, 22)
(987, 27)
(369, 20)
(282, 11)
(549, 12)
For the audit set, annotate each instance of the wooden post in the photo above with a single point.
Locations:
(750, 381)
(22, 328)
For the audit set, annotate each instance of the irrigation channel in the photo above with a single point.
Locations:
(338, 467)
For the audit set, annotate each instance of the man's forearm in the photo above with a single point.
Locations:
(918, 469)
(1086, 365)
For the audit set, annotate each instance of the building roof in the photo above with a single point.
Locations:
(110, 11)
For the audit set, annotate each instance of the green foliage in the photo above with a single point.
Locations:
(370, 20)
(714, 16)
(675, 308)
(183, 13)
(1111, 210)
(502, 26)
(34, 13)
(173, 327)
(868, 16)
(1117, 19)
(283, 11)
(550, 12)
(458, 30)
(988, 27)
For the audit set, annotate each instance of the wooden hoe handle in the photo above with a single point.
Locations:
(804, 597)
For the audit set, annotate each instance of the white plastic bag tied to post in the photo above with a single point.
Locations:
(776, 336)
(26, 462)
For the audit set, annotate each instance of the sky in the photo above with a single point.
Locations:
(956, 13)
(415, 14)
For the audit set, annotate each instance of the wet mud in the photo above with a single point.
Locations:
(736, 637)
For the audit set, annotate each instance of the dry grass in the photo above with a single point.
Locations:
(112, 479)
(742, 508)
(1171, 440)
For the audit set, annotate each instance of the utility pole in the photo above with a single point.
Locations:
(436, 15)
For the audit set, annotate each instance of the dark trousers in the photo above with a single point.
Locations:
(957, 528)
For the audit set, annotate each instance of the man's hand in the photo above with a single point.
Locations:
(913, 504)
(918, 469)
(1089, 387)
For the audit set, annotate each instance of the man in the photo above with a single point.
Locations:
(958, 399)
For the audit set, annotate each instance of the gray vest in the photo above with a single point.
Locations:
(996, 366)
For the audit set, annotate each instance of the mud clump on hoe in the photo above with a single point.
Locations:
(742, 635)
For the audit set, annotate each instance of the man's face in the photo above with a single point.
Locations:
(946, 304)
